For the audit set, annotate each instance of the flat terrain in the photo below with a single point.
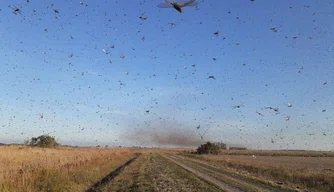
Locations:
(292, 162)
(153, 172)
(28, 169)
(133, 169)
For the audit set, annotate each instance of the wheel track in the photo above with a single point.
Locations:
(98, 185)
(234, 177)
(226, 180)
(223, 185)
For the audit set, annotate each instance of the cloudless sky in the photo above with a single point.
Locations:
(131, 73)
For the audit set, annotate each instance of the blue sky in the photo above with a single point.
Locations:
(267, 54)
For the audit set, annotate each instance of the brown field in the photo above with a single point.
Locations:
(61, 169)
(105, 169)
(290, 162)
(316, 173)
(279, 153)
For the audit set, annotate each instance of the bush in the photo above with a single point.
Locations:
(43, 141)
(221, 145)
(208, 148)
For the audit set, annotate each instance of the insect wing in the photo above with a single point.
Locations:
(188, 3)
(165, 4)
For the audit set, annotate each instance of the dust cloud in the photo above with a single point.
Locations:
(165, 138)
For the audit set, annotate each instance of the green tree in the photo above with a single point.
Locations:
(208, 148)
(43, 141)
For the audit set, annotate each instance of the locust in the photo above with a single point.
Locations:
(177, 5)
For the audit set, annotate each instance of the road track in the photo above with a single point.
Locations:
(161, 169)
(98, 185)
(226, 180)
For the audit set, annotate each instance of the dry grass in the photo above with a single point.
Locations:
(76, 169)
(302, 172)
(61, 169)
(279, 153)
(291, 162)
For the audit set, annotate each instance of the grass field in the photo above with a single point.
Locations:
(30, 169)
(279, 153)
(308, 171)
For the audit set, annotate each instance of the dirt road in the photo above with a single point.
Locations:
(152, 172)
(226, 180)
(166, 172)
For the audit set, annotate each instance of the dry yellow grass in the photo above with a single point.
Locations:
(61, 169)
(279, 153)
(305, 172)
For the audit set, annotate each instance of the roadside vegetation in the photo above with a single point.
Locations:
(31, 169)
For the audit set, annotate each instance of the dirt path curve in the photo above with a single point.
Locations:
(226, 180)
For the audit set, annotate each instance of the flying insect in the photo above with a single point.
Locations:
(177, 5)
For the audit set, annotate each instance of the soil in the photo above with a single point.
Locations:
(155, 171)
(227, 180)
(152, 172)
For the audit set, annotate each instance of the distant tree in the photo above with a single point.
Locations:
(208, 148)
(2, 144)
(43, 141)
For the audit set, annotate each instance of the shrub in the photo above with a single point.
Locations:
(208, 148)
(43, 141)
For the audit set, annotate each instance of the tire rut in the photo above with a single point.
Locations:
(231, 180)
(165, 176)
(228, 187)
(253, 184)
(98, 185)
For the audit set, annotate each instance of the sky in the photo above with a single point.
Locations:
(131, 73)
